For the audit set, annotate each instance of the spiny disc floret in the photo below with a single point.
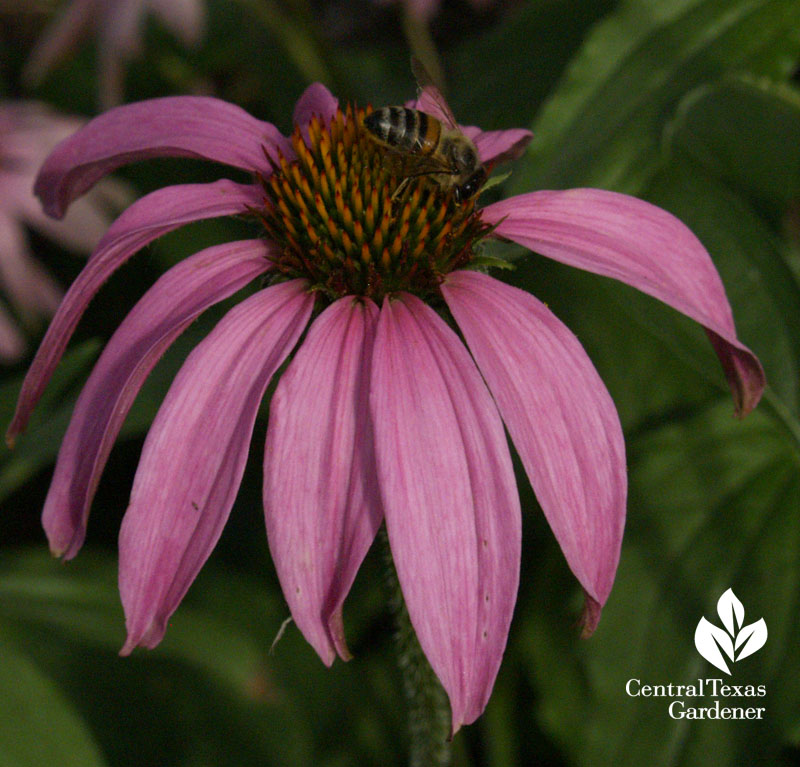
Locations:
(344, 219)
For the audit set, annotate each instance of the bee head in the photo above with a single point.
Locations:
(471, 186)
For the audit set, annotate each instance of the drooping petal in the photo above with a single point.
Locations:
(422, 10)
(82, 227)
(120, 30)
(496, 146)
(449, 496)
(12, 344)
(147, 219)
(154, 323)
(176, 126)
(315, 100)
(642, 245)
(194, 455)
(560, 417)
(321, 499)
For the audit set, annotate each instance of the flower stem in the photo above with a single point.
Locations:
(292, 28)
(422, 45)
(428, 707)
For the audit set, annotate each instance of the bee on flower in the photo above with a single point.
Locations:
(384, 415)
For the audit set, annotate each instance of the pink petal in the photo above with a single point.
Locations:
(315, 100)
(638, 243)
(450, 499)
(28, 287)
(84, 223)
(423, 10)
(320, 488)
(120, 29)
(560, 417)
(195, 452)
(156, 214)
(154, 323)
(12, 344)
(496, 146)
(176, 126)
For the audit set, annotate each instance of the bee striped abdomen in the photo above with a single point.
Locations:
(404, 129)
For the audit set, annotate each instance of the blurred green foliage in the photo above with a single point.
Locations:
(692, 104)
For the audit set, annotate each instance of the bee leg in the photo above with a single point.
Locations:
(400, 188)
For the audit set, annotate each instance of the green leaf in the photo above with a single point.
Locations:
(745, 132)
(39, 725)
(603, 125)
(533, 43)
(81, 602)
(688, 540)
(211, 669)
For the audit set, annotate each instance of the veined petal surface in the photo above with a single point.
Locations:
(321, 499)
(560, 417)
(315, 100)
(154, 323)
(195, 452)
(449, 496)
(176, 126)
(496, 146)
(147, 219)
(642, 245)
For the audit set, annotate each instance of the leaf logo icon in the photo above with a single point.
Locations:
(734, 641)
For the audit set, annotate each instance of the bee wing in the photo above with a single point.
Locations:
(429, 98)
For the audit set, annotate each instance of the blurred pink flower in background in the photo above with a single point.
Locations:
(28, 133)
(425, 10)
(118, 25)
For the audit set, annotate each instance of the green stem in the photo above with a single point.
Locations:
(419, 38)
(428, 707)
(295, 34)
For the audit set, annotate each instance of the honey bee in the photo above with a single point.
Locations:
(428, 145)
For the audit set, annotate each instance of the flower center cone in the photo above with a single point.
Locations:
(348, 220)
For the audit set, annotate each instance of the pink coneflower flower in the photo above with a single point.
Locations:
(118, 24)
(383, 413)
(28, 133)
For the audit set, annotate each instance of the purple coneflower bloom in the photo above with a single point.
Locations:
(118, 24)
(28, 133)
(383, 413)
